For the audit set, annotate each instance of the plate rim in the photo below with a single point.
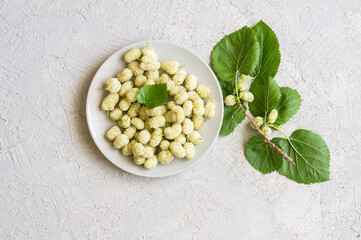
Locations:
(88, 108)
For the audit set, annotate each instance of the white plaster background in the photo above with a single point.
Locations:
(55, 184)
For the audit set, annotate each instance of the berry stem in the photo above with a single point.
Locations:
(246, 80)
(279, 129)
(141, 107)
(272, 145)
(236, 86)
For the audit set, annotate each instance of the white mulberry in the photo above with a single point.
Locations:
(124, 104)
(266, 130)
(157, 122)
(164, 78)
(195, 137)
(148, 152)
(149, 64)
(197, 122)
(143, 114)
(259, 122)
(120, 141)
(246, 96)
(157, 111)
(170, 84)
(198, 107)
(125, 75)
(188, 108)
(175, 90)
(151, 162)
(191, 82)
(177, 149)
(116, 114)
(133, 110)
(165, 157)
(179, 113)
(143, 136)
(138, 149)
(140, 81)
(190, 150)
(125, 121)
(164, 144)
(156, 137)
(173, 132)
(130, 132)
(138, 123)
(181, 139)
(132, 55)
(109, 102)
(242, 86)
(171, 105)
(113, 132)
(180, 98)
(272, 116)
(146, 125)
(127, 150)
(149, 82)
(152, 75)
(179, 77)
(125, 87)
(210, 109)
(187, 126)
(203, 91)
(131, 95)
(193, 95)
(135, 68)
(149, 52)
(139, 160)
(169, 66)
(113, 85)
(230, 100)
(170, 117)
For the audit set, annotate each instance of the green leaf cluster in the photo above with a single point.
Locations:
(255, 52)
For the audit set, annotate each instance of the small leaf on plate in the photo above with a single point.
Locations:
(261, 156)
(270, 56)
(153, 95)
(238, 51)
(311, 155)
(266, 96)
(290, 103)
(233, 115)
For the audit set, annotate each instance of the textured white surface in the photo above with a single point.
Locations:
(55, 184)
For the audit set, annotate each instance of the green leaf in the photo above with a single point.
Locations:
(290, 103)
(227, 88)
(261, 156)
(311, 155)
(266, 96)
(238, 51)
(270, 56)
(153, 95)
(233, 115)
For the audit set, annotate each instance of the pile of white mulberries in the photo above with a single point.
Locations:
(162, 133)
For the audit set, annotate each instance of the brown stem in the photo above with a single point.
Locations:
(273, 146)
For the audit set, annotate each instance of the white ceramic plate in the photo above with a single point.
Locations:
(99, 124)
